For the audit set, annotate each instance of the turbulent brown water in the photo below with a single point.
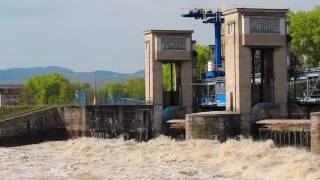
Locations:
(161, 158)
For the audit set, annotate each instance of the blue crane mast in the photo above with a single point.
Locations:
(216, 76)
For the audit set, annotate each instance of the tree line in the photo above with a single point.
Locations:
(132, 88)
(56, 89)
(305, 32)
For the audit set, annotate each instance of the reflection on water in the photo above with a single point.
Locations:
(161, 158)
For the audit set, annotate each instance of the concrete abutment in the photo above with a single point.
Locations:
(61, 123)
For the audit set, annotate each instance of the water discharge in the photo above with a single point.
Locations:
(160, 158)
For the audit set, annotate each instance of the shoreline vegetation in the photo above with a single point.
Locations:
(56, 89)
(7, 112)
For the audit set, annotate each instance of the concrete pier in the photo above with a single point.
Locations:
(315, 132)
(219, 125)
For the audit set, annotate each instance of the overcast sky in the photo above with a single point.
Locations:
(87, 35)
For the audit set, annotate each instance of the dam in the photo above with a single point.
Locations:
(244, 82)
(237, 118)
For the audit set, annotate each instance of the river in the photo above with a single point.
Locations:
(160, 158)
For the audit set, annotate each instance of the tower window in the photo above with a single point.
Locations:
(173, 43)
(231, 28)
(146, 45)
(264, 25)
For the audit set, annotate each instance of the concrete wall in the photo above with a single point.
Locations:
(264, 40)
(32, 127)
(135, 121)
(74, 120)
(232, 69)
(300, 111)
(114, 120)
(207, 125)
(273, 111)
(173, 55)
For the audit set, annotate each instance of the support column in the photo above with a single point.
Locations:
(245, 125)
(280, 79)
(186, 85)
(156, 125)
(315, 132)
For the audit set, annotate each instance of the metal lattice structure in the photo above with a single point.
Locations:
(212, 92)
(304, 86)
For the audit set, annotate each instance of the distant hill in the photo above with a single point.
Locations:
(19, 75)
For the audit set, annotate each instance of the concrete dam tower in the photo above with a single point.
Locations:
(256, 52)
(256, 55)
(173, 49)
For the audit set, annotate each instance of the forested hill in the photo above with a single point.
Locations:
(18, 75)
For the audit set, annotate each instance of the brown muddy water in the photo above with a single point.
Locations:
(160, 158)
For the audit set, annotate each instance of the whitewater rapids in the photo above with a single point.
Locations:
(160, 158)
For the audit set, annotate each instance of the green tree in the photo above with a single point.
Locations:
(112, 90)
(48, 89)
(305, 32)
(166, 77)
(135, 88)
(203, 54)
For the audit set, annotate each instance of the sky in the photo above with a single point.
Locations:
(89, 35)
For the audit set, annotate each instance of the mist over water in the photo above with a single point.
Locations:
(160, 158)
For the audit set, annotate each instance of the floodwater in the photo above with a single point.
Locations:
(160, 158)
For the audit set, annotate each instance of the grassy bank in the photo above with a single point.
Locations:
(7, 112)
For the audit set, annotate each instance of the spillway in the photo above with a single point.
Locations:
(160, 158)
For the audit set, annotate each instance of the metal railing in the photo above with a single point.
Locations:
(287, 138)
(122, 101)
(304, 87)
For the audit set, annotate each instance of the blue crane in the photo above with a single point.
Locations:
(216, 18)
(217, 75)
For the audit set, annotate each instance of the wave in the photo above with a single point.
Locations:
(160, 158)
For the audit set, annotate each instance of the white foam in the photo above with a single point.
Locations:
(160, 158)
